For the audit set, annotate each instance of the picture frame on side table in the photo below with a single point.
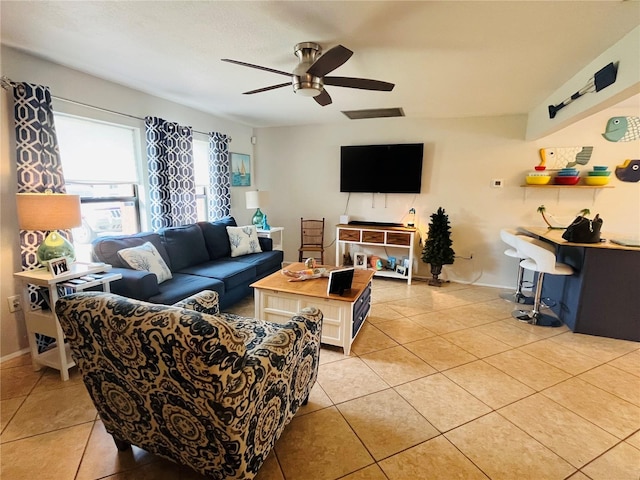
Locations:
(401, 270)
(58, 266)
(360, 260)
(240, 170)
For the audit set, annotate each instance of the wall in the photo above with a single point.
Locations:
(461, 158)
(71, 84)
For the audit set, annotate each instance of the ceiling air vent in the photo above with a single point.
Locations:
(374, 113)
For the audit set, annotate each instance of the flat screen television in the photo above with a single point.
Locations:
(381, 168)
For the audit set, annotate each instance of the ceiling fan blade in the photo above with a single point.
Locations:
(266, 89)
(362, 83)
(244, 64)
(323, 99)
(331, 60)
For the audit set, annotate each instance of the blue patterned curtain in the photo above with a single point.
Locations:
(219, 177)
(39, 167)
(172, 184)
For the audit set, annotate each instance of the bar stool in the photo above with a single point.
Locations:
(541, 258)
(509, 237)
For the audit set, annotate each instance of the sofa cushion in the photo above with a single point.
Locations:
(231, 273)
(216, 237)
(243, 240)
(182, 286)
(146, 257)
(185, 246)
(105, 249)
(265, 262)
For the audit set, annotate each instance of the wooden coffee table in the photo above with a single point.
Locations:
(277, 300)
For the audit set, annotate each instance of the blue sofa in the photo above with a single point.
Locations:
(199, 257)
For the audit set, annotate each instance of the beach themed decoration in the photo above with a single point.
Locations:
(629, 171)
(555, 158)
(622, 129)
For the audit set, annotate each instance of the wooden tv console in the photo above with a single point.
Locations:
(358, 238)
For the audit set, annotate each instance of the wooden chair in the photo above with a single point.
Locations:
(311, 238)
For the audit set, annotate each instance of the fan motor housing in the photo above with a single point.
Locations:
(303, 83)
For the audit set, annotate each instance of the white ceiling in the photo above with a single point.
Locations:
(447, 58)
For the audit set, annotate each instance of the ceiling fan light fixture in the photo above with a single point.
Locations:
(307, 85)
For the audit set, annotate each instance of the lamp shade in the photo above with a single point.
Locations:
(256, 199)
(48, 211)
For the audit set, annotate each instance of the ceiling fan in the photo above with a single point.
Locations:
(308, 78)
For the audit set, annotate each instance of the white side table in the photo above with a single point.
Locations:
(274, 234)
(45, 321)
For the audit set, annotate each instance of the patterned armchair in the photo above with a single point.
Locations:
(208, 390)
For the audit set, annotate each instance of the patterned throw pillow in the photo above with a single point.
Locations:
(243, 240)
(146, 257)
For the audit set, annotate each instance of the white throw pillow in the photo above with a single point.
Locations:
(146, 257)
(243, 240)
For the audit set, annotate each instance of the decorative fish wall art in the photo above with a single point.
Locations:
(622, 129)
(629, 171)
(556, 158)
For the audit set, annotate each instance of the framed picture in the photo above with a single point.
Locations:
(240, 170)
(58, 266)
(360, 260)
(401, 270)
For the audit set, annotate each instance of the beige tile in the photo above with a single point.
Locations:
(381, 312)
(159, 470)
(602, 349)
(498, 308)
(102, 458)
(386, 423)
(570, 436)
(397, 365)
(411, 307)
(560, 356)
(440, 322)
(470, 315)
(371, 339)
(623, 384)
(331, 353)
(622, 462)
(509, 333)
(436, 459)
(634, 440)
(578, 476)
(616, 416)
(506, 452)
(440, 353)
(19, 361)
(493, 387)
(318, 400)
(527, 369)
(348, 379)
(629, 363)
(8, 408)
(321, 446)
(50, 379)
(477, 343)
(49, 410)
(18, 381)
(270, 469)
(443, 403)
(371, 472)
(55, 455)
(403, 330)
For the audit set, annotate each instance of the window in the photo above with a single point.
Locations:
(201, 168)
(100, 163)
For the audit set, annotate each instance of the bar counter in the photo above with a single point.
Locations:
(602, 297)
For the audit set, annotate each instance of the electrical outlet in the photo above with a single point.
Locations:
(14, 303)
(497, 183)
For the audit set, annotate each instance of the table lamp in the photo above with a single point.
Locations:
(50, 212)
(257, 199)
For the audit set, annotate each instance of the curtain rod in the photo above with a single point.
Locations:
(7, 83)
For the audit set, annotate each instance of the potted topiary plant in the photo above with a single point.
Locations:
(437, 249)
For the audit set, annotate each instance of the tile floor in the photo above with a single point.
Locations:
(441, 383)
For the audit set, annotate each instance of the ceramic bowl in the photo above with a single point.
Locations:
(567, 174)
(596, 181)
(565, 180)
(538, 179)
(538, 174)
(599, 173)
(540, 168)
(600, 168)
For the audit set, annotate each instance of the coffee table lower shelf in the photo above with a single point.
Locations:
(342, 318)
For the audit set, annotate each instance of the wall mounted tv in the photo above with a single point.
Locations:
(381, 168)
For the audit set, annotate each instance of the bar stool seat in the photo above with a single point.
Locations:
(509, 236)
(540, 258)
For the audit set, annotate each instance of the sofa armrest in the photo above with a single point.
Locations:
(205, 301)
(266, 244)
(138, 284)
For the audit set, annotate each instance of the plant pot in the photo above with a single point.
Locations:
(436, 270)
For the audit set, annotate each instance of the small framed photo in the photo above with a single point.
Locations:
(58, 266)
(360, 260)
(401, 270)
(240, 170)
(405, 262)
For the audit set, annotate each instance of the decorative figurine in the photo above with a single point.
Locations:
(265, 225)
